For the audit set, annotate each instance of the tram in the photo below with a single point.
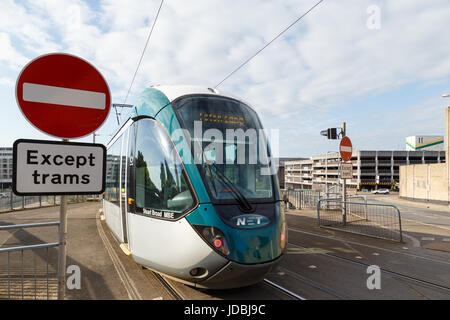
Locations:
(191, 189)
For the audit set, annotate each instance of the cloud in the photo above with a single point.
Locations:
(326, 59)
(8, 82)
(8, 54)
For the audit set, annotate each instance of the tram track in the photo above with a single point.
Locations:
(167, 286)
(314, 284)
(386, 271)
(176, 295)
(371, 246)
(283, 290)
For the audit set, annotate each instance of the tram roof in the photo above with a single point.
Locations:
(174, 92)
(154, 98)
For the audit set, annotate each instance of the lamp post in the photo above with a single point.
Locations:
(98, 134)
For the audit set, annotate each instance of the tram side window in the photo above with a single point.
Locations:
(161, 182)
(112, 191)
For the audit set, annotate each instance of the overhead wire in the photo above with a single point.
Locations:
(143, 51)
(267, 44)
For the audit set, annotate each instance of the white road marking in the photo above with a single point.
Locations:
(10, 235)
(368, 246)
(34, 92)
(312, 267)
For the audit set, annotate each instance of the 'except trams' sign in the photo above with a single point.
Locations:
(346, 170)
(57, 168)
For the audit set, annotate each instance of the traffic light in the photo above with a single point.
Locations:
(332, 133)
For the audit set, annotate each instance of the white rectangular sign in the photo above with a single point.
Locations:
(56, 167)
(346, 171)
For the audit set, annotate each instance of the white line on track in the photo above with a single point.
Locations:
(10, 235)
(284, 289)
(369, 246)
(130, 287)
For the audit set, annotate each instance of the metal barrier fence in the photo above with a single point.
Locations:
(375, 220)
(27, 272)
(300, 198)
(306, 198)
(13, 202)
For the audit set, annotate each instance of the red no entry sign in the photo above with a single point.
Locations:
(63, 95)
(345, 149)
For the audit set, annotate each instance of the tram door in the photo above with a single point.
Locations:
(123, 184)
(130, 178)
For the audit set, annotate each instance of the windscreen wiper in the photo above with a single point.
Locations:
(243, 202)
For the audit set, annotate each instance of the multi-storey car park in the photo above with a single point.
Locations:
(371, 169)
(6, 168)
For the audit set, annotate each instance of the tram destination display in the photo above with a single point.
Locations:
(58, 168)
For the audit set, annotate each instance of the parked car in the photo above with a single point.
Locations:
(381, 191)
(4, 195)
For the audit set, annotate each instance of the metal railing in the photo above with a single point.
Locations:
(13, 202)
(307, 199)
(374, 220)
(300, 198)
(26, 272)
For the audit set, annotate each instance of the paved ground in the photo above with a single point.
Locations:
(319, 263)
(435, 214)
(335, 263)
(85, 249)
(429, 223)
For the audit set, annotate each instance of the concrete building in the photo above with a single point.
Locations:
(6, 168)
(371, 169)
(428, 182)
(434, 143)
(281, 170)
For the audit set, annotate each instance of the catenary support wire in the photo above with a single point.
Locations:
(267, 44)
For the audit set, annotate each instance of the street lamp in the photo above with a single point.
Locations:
(120, 105)
(97, 134)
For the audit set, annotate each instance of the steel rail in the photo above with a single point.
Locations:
(393, 273)
(172, 291)
(284, 290)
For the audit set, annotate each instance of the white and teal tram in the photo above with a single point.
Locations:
(188, 201)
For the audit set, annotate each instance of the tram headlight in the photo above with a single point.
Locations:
(215, 237)
(283, 236)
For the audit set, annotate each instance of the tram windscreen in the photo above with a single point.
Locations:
(230, 146)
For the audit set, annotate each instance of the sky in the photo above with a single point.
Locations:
(380, 66)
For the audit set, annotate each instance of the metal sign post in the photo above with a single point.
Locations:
(62, 247)
(62, 238)
(344, 206)
(66, 97)
(346, 151)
